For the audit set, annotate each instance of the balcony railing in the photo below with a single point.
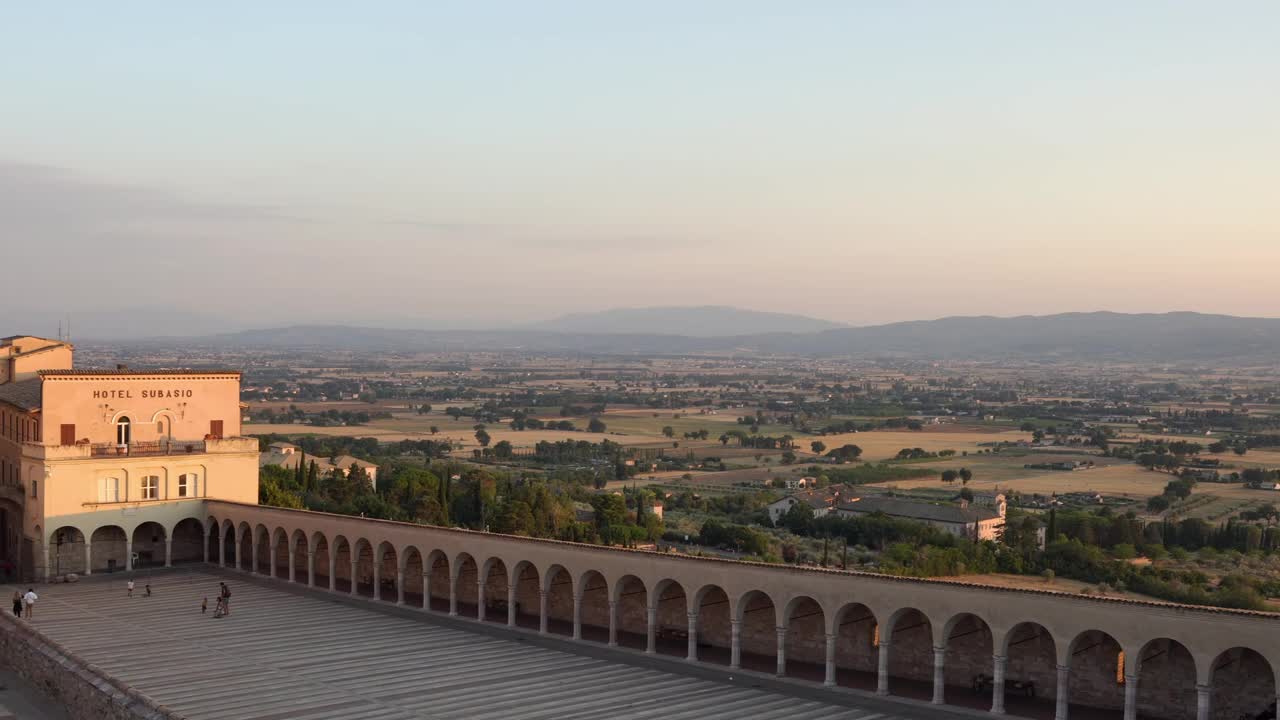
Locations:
(154, 447)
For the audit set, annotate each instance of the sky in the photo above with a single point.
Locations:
(486, 164)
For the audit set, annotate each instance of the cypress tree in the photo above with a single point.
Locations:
(1051, 533)
(299, 476)
(313, 477)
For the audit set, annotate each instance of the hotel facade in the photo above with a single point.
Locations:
(104, 469)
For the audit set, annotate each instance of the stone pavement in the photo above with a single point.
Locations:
(285, 653)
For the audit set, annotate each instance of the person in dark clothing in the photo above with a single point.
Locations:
(17, 604)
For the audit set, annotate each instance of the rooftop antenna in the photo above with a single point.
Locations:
(59, 330)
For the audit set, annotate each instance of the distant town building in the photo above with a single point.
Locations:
(288, 455)
(963, 519)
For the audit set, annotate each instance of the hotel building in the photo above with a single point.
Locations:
(102, 469)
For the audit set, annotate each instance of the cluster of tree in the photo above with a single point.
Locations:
(765, 442)
(964, 475)
(866, 474)
(921, 454)
(739, 538)
(845, 453)
(1258, 478)
(326, 445)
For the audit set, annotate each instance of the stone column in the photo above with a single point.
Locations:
(577, 615)
(542, 612)
(692, 655)
(88, 557)
(128, 554)
(333, 571)
(781, 670)
(882, 670)
(222, 550)
(453, 597)
(939, 675)
(205, 543)
(311, 568)
(511, 605)
(355, 581)
(168, 552)
(49, 569)
(480, 600)
(830, 679)
(399, 586)
(1064, 693)
(293, 563)
(1203, 698)
(426, 588)
(253, 555)
(651, 630)
(1130, 697)
(735, 644)
(999, 664)
(377, 579)
(613, 623)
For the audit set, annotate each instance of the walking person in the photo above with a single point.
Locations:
(130, 586)
(204, 606)
(17, 604)
(147, 589)
(226, 599)
(29, 601)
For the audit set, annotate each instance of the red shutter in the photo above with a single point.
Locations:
(215, 428)
(68, 434)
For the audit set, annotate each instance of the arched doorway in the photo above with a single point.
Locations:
(387, 564)
(1096, 673)
(322, 561)
(262, 550)
(412, 570)
(341, 565)
(244, 547)
(1031, 674)
(559, 588)
(633, 613)
(465, 592)
(1166, 681)
(149, 545)
(805, 651)
(969, 648)
(496, 587)
(439, 581)
(363, 569)
(1241, 683)
(857, 647)
(279, 553)
(593, 606)
(758, 625)
(187, 545)
(299, 558)
(108, 548)
(907, 637)
(714, 640)
(67, 551)
(527, 583)
(671, 621)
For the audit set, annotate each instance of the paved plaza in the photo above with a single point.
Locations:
(283, 654)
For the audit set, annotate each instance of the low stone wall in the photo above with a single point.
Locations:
(84, 691)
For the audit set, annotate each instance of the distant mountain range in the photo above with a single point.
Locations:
(1167, 337)
(699, 321)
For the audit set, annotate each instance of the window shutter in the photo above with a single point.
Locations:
(68, 434)
(215, 428)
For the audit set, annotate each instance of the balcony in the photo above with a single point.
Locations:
(154, 448)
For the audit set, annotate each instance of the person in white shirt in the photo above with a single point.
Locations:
(29, 600)
(130, 586)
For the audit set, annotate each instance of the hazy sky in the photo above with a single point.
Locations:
(440, 164)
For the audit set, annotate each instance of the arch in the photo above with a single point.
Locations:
(1167, 679)
(527, 583)
(1241, 682)
(213, 538)
(299, 556)
(67, 551)
(671, 607)
(244, 547)
(363, 559)
(342, 553)
(465, 592)
(969, 646)
(262, 550)
(439, 580)
(907, 639)
(632, 601)
(386, 565)
(857, 646)
(278, 556)
(322, 560)
(228, 544)
(187, 542)
(593, 606)
(1096, 671)
(558, 583)
(805, 651)
(108, 548)
(411, 569)
(758, 624)
(149, 539)
(493, 576)
(1031, 656)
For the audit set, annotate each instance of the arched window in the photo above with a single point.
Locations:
(123, 431)
(151, 487)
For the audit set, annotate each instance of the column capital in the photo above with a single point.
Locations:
(1063, 668)
(1203, 689)
(1000, 659)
